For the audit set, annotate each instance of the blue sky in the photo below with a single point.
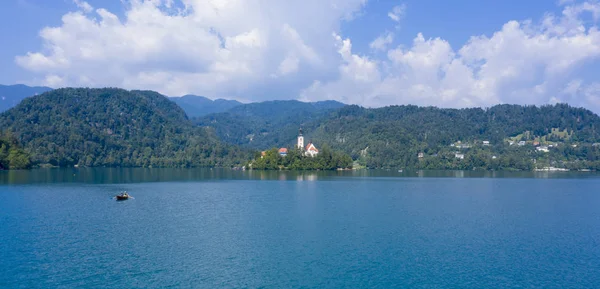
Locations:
(446, 53)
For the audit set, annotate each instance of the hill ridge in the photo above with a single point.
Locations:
(112, 127)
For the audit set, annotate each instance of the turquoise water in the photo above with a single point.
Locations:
(225, 229)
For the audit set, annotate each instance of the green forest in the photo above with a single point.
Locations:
(394, 136)
(327, 159)
(12, 156)
(113, 127)
(266, 124)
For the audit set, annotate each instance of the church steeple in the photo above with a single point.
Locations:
(300, 144)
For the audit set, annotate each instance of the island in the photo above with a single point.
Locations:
(301, 157)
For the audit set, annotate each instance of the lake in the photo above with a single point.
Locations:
(203, 228)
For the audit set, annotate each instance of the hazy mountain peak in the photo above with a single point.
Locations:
(196, 106)
(11, 95)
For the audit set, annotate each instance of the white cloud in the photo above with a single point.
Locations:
(54, 80)
(357, 77)
(289, 65)
(237, 48)
(84, 6)
(217, 48)
(564, 2)
(382, 42)
(573, 87)
(591, 95)
(521, 63)
(297, 45)
(397, 12)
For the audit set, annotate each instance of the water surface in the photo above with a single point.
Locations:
(370, 229)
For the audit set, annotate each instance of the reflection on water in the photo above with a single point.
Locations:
(140, 175)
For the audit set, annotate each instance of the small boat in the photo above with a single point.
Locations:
(122, 197)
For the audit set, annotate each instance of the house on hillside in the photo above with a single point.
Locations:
(459, 156)
(542, 149)
(283, 152)
(420, 155)
(486, 142)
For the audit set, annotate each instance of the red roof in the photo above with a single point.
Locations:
(283, 150)
(314, 148)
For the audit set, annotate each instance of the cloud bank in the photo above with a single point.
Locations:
(260, 49)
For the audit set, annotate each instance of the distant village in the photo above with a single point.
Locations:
(541, 146)
(536, 144)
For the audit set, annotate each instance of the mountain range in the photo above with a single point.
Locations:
(266, 124)
(193, 105)
(115, 127)
(196, 106)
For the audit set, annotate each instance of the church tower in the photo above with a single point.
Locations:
(300, 140)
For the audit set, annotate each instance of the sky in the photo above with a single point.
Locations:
(461, 53)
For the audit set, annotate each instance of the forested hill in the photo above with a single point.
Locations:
(112, 127)
(394, 136)
(115, 127)
(435, 126)
(266, 124)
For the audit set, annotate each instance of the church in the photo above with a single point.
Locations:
(310, 149)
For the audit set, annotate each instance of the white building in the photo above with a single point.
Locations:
(300, 140)
(311, 150)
